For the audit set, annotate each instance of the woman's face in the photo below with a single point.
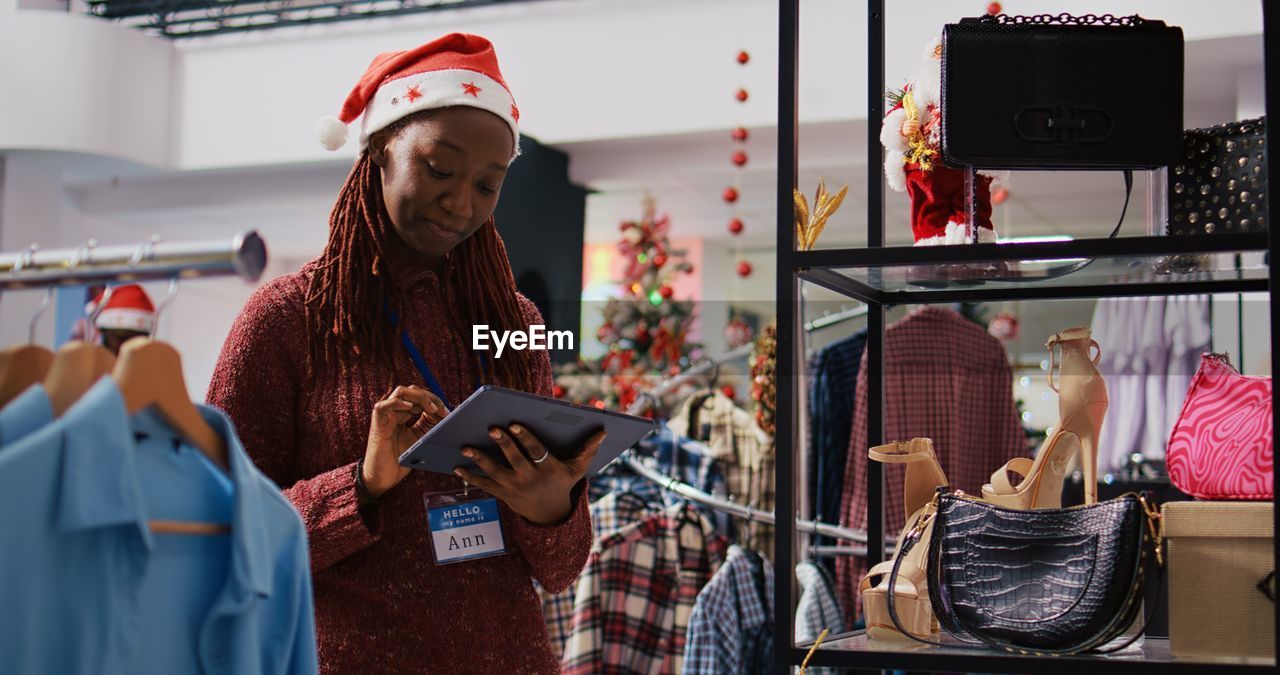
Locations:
(441, 175)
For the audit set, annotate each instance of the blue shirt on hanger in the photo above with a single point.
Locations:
(25, 414)
(88, 588)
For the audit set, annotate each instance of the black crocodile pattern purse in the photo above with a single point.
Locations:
(1219, 183)
(1043, 581)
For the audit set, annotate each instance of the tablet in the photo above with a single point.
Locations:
(563, 428)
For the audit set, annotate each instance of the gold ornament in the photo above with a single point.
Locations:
(810, 225)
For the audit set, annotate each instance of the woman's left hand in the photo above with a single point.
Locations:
(539, 491)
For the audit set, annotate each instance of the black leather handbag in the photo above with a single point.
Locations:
(1043, 581)
(1219, 182)
(1061, 92)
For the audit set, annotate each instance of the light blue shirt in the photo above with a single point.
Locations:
(86, 587)
(25, 414)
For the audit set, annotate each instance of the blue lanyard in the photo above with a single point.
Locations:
(421, 363)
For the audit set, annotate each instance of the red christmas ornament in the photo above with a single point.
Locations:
(735, 226)
(730, 194)
(728, 391)
(740, 134)
(666, 291)
(688, 268)
(660, 259)
(558, 391)
(744, 269)
(742, 96)
(743, 57)
(998, 195)
(994, 9)
(597, 403)
(739, 158)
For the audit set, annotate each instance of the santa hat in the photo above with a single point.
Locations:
(128, 308)
(455, 70)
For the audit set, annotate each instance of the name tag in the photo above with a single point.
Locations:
(464, 528)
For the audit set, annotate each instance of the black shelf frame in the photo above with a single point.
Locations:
(822, 267)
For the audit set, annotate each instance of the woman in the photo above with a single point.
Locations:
(319, 378)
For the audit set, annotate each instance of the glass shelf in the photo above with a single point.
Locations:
(1085, 268)
(1147, 655)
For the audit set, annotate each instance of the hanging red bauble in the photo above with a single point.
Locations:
(998, 195)
(660, 259)
(742, 95)
(730, 194)
(687, 268)
(735, 226)
(740, 134)
(666, 291)
(743, 57)
(728, 391)
(558, 391)
(994, 9)
(744, 269)
(739, 158)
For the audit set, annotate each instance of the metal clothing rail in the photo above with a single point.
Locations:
(694, 494)
(837, 318)
(244, 256)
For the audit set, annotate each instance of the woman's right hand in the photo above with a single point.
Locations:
(399, 419)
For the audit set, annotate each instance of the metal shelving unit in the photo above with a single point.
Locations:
(880, 276)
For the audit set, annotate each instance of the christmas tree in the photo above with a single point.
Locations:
(645, 326)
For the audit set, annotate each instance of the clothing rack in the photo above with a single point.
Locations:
(694, 494)
(837, 318)
(244, 256)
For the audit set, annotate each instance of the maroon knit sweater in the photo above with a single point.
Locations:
(382, 606)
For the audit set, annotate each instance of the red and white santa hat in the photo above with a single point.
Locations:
(456, 70)
(128, 308)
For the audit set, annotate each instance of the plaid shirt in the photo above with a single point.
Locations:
(946, 379)
(818, 609)
(636, 595)
(745, 453)
(630, 499)
(731, 630)
(675, 456)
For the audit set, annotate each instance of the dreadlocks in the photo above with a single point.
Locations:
(349, 302)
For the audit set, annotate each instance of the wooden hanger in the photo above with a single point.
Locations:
(21, 367)
(149, 373)
(76, 367)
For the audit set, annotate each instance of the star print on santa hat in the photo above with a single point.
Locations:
(455, 70)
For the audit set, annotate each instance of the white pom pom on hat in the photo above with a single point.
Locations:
(455, 70)
(331, 132)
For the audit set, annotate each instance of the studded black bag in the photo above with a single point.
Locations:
(1219, 183)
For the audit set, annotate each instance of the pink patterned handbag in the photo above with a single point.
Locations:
(1220, 447)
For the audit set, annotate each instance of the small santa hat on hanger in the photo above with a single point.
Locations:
(128, 308)
(455, 70)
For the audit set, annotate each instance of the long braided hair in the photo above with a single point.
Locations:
(349, 297)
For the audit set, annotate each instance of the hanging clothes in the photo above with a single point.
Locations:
(731, 628)
(945, 379)
(818, 608)
(633, 601)
(676, 456)
(831, 400)
(30, 411)
(630, 502)
(744, 452)
(1150, 348)
(92, 590)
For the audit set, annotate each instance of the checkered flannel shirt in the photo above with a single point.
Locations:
(635, 597)
(946, 379)
(744, 451)
(731, 630)
(628, 500)
(817, 609)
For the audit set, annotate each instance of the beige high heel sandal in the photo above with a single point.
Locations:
(1082, 405)
(911, 593)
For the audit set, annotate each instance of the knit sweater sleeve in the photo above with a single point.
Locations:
(257, 381)
(555, 554)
